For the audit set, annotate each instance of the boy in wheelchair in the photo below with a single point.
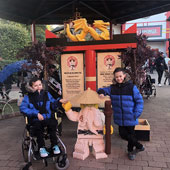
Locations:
(37, 106)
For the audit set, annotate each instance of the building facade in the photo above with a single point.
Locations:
(156, 28)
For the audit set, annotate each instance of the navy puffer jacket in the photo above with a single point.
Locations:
(28, 108)
(127, 102)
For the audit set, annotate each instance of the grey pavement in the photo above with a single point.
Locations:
(155, 157)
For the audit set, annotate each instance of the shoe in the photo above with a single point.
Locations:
(159, 85)
(140, 150)
(56, 149)
(131, 155)
(43, 152)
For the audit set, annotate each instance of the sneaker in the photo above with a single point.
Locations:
(56, 149)
(131, 155)
(140, 150)
(43, 152)
(159, 85)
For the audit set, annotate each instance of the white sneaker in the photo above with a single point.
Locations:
(159, 85)
(43, 152)
(56, 149)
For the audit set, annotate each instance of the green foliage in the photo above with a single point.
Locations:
(39, 30)
(40, 33)
(13, 37)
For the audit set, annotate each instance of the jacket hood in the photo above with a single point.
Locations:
(29, 89)
(127, 79)
(33, 92)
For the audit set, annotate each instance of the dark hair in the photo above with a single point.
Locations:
(118, 69)
(33, 80)
(52, 66)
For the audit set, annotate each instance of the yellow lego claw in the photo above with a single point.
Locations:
(111, 130)
(67, 106)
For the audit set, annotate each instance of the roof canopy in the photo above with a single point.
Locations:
(58, 11)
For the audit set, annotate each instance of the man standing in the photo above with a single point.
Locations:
(160, 67)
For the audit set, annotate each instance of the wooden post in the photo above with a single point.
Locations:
(108, 114)
(33, 33)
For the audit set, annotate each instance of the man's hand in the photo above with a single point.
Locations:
(63, 101)
(40, 117)
(101, 96)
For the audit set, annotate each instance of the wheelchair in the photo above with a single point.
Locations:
(30, 148)
(148, 87)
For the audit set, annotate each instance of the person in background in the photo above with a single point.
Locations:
(1, 91)
(160, 67)
(167, 74)
(167, 59)
(152, 64)
(8, 85)
(52, 72)
(127, 105)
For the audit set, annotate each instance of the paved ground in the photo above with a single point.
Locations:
(155, 157)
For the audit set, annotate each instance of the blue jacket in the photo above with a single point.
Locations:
(28, 108)
(127, 103)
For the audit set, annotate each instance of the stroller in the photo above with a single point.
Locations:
(30, 148)
(147, 87)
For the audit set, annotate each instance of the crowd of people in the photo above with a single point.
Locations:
(162, 66)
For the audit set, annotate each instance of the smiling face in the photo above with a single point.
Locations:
(119, 76)
(72, 62)
(37, 85)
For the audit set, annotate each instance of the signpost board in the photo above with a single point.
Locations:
(106, 64)
(72, 74)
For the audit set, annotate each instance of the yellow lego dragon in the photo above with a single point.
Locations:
(82, 26)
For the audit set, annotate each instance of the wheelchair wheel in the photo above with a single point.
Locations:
(25, 148)
(62, 162)
(6, 109)
(154, 89)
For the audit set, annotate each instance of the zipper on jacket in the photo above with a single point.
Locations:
(121, 106)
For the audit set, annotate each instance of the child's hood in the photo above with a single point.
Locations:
(29, 89)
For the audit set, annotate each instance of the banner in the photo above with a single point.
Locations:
(150, 31)
(72, 74)
(106, 64)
